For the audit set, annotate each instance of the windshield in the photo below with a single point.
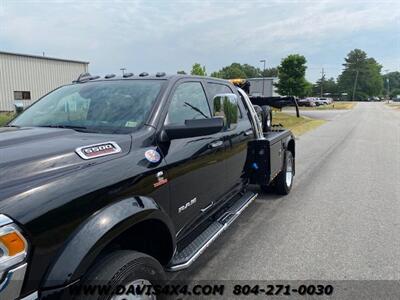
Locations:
(109, 107)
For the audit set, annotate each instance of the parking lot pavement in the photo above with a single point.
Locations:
(328, 115)
(341, 220)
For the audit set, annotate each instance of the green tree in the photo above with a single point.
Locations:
(394, 93)
(216, 74)
(328, 86)
(250, 71)
(361, 76)
(391, 83)
(269, 72)
(235, 70)
(292, 81)
(181, 72)
(199, 70)
(308, 89)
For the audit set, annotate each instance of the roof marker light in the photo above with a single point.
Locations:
(160, 74)
(85, 77)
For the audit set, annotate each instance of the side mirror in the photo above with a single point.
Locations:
(226, 107)
(192, 128)
(19, 107)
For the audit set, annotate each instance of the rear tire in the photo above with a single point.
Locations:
(124, 268)
(284, 180)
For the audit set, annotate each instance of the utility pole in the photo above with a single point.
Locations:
(355, 85)
(387, 85)
(263, 85)
(322, 82)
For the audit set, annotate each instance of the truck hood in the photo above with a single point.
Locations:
(30, 154)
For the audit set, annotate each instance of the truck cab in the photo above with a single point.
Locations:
(131, 175)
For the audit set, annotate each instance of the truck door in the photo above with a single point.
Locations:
(236, 140)
(195, 166)
(236, 137)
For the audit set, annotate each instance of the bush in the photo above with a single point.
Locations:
(5, 118)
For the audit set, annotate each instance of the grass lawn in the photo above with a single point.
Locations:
(5, 117)
(336, 105)
(395, 106)
(297, 125)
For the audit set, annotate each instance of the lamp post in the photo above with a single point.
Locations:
(388, 88)
(263, 77)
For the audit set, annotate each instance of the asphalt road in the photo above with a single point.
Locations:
(341, 220)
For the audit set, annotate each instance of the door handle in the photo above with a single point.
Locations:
(207, 207)
(216, 144)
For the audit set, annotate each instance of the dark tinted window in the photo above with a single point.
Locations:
(188, 102)
(216, 88)
(99, 106)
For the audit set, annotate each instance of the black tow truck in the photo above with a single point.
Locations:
(116, 180)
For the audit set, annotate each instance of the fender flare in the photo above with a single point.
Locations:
(93, 235)
(287, 140)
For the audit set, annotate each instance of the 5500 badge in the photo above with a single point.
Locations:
(98, 150)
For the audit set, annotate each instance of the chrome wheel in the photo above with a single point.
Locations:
(143, 285)
(289, 169)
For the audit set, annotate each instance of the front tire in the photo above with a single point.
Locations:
(123, 269)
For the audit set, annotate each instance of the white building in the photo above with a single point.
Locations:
(25, 78)
(266, 84)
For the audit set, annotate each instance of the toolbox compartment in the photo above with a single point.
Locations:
(265, 157)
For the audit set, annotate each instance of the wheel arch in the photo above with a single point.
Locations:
(291, 146)
(121, 221)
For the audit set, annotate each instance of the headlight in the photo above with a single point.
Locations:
(13, 247)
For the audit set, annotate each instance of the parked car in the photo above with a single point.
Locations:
(318, 101)
(374, 99)
(307, 102)
(326, 100)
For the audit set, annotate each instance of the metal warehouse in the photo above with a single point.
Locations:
(25, 78)
(263, 86)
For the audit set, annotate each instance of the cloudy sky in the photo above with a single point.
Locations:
(161, 35)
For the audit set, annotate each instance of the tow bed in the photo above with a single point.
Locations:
(271, 155)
